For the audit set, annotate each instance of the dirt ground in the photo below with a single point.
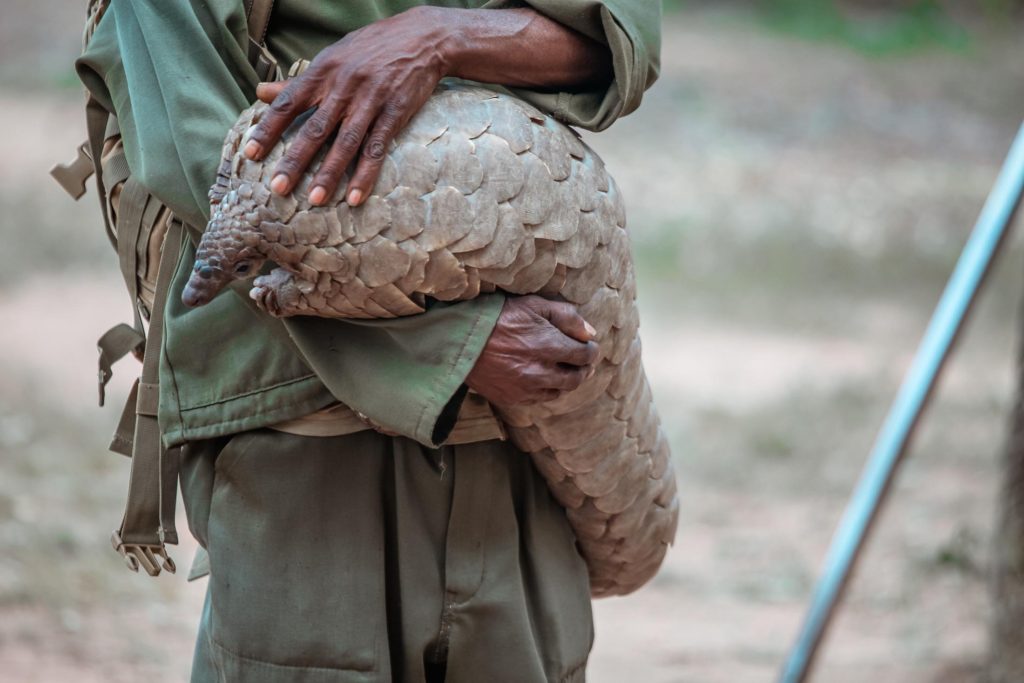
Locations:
(796, 207)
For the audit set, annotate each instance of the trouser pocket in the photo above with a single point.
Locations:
(297, 576)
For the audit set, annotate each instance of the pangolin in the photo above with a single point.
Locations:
(481, 191)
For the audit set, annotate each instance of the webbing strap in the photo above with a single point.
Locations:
(150, 216)
(96, 118)
(115, 170)
(258, 16)
(130, 217)
(124, 434)
(134, 223)
(258, 13)
(263, 62)
(148, 521)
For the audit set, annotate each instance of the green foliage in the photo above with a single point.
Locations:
(959, 553)
(876, 29)
(771, 444)
(998, 9)
(919, 24)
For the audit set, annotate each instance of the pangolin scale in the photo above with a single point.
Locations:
(481, 191)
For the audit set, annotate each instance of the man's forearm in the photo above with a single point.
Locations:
(518, 47)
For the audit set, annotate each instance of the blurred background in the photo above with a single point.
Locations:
(799, 183)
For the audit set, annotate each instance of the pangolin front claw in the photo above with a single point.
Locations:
(276, 293)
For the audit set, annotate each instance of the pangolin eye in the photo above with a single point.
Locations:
(242, 268)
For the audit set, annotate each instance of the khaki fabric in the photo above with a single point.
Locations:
(176, 73)
(360, 557)
(149, 254)
(476, 422)
(368, 558)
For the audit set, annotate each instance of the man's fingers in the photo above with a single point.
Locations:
(374, 150)
(267, 91)
(344, 148)
(569, 377)
(548, 395)
(291, 101)
(578, 353)
(538, 396)
(305, 145)
(565, 317)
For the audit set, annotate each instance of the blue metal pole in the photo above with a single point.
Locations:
(891, 442)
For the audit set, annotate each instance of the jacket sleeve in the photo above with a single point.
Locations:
(632, 31)
(176, 75)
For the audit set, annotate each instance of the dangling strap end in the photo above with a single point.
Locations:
(101, 379)
(263, 62)
(115, 344)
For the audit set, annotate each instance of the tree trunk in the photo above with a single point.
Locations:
(1006, 661)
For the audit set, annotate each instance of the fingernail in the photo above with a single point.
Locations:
(589, 328)
(354, 197)
(317, 195)
(253, 149)
(280, 183)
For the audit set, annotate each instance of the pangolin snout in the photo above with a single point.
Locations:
(204, 284)
(195, 296)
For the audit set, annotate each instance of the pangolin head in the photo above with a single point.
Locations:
(228, 251)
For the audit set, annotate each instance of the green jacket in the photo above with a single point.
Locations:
(176, 75)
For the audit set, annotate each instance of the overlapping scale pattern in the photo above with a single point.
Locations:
(481, 192)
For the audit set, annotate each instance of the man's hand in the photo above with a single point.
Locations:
(537, 350)
(367, 86)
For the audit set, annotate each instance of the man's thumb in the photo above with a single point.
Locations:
(267, 91)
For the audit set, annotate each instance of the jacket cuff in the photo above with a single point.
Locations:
(406, 374)
(630, 29)
(441, 412)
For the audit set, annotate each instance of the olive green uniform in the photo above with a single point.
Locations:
(362, 557)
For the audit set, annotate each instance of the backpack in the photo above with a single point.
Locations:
(147, 237)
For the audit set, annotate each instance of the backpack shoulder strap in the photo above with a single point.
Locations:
(258, 15)
(148, 521)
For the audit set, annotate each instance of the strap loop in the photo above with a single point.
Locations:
(124, 434)
(148, 399)
(263, 62)
(114, 345)
(258, 16)
(115, 170)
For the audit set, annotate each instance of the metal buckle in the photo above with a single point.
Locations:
(151, 557)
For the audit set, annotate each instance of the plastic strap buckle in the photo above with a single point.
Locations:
(151, 557)
(72, 176)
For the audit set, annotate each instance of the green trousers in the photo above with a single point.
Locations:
(368, 558)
